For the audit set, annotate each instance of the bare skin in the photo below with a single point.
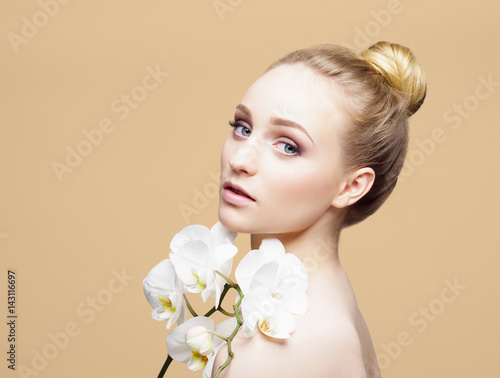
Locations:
(330, 340)
(301, 199)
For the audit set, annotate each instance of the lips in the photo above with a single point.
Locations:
(236, 189)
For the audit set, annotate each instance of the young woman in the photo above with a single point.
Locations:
(317, 144)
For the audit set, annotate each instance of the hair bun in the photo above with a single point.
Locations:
(400, 68)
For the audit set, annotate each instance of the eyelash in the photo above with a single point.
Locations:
(296, 148)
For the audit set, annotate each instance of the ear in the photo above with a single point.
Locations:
(354, 187)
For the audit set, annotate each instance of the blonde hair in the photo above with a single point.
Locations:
(381, 88)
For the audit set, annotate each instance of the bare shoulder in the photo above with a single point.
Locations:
(331, 340)
(330, 349)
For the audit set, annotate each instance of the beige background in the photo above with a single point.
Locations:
(119, 207)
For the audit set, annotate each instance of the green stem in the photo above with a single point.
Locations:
(189, 307)
(165, 366)
(216, 334)
(239, 292)
(223, 366)
(225, 312)
(210, 312)
(230, 353)
(223, 294)
(229, 281)
(237, 312)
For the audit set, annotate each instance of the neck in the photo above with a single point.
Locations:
(316, 246)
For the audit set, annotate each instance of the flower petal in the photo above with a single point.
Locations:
(219, 283)
(197, 361)
(179, 314)
(182, 314)
(221, 235)
(193, 255)
(292, 268)
(192, 232)
(273, 249)
(272, 317)
(161, 278)
(249, 329)
(286, 323)
(207, 373)
(222, 261)
(297, 303)
(199, 340)
(176, 339)
(269, 326)
(247, 267)
(254, 306)
(264, 277)
(224, 328)
(163, 293)
(221, 255)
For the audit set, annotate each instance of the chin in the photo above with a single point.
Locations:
(234, 223)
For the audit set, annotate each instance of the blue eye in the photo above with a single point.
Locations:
(289, 149)
(243, 131)
(236, 126)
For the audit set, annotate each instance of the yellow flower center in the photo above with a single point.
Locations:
(199, 361)
(200, 285)
(266, 327)
(276, 294)
(167, 306)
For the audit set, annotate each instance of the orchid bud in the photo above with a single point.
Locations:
(199, 340)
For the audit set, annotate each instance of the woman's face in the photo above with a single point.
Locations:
(284, 152)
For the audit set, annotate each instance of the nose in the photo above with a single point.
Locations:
(244, 159)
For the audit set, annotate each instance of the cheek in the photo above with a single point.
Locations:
(307, 185)
(297, 199)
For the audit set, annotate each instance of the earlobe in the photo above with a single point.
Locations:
(355, 187)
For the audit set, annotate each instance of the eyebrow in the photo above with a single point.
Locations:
(276, 121)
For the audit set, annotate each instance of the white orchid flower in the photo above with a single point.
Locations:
(198, 252)
(165, 293)
(282, 274)
(225, 329)
(260, 309)
(194, 342)
(199, 339)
